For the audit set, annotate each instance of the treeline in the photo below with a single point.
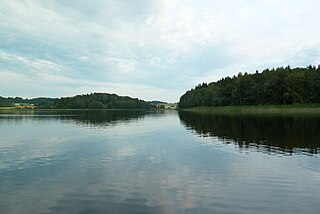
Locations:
(100, 101)
(86, 101)
(270, 87)
(12, 101)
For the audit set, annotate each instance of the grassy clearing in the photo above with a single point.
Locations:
(6, 108)
(268, 109)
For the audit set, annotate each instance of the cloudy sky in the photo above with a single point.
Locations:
(150, 49)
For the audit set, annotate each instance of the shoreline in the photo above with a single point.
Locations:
(54, 109)
(268, 109)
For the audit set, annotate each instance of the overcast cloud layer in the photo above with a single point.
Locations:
(153, 50)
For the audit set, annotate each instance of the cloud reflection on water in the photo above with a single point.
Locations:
(147, 163)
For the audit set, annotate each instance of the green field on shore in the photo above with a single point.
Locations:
(6, 108)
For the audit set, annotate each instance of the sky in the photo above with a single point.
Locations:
(149, 49)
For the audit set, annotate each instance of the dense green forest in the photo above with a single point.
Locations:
(269, 87)
(87, 101)
(100, 101)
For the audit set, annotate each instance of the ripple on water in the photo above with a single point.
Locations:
(146, 168)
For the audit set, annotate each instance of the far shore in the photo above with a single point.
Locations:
(64, 109)
(261, 109)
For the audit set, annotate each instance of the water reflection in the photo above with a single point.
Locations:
(97, 118)
(104, 203)
(141, 162)
(104, 118)
(267, 133)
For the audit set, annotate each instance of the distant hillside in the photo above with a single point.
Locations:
(40, 102)
(156, 102)
(270, 87)
(86, 101)
(100, 101)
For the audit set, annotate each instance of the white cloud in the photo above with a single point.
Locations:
(33, 63)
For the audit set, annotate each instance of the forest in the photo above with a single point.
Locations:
(100, 101)
(86, 101)
(280, 86)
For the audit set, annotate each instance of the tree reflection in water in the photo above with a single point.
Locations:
(268, 133)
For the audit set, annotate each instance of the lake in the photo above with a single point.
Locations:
(158, 162)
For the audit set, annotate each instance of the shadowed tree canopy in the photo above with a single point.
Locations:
(101, 101)
(270, 87)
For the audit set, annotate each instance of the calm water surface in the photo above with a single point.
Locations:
(144, 162)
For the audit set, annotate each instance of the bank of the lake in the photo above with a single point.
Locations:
(261, 109)
(5, 108)
(65, 109)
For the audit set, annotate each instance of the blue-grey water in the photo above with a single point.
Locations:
(165, 162)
